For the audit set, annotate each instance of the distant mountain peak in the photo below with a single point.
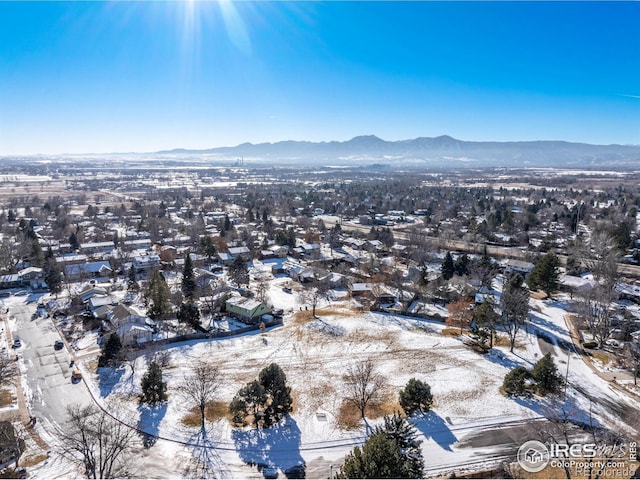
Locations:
(366, 139)
(437, 152)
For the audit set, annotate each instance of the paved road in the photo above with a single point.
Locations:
(46, 372)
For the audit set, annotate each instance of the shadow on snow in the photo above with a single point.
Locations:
(433, 427)
(149, 422)
(276, 446)
(108, 378)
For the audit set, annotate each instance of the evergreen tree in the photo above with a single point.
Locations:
(208, 247)
(266, 400)
(52, 273)
(157, 296)
(132, 281)
(484, 323)
(274, 381)
(416, 397)
(448, 268)
(188, 280)
(545, 273)
(36, 258)
(379, 458)
(546, 375)
(405, 436)
(154, 389)
(249, 400)
(391, 452)
(110, 350)
(189, 313)
(515, 382)
(238, 271)
(461, 266)
(73, 241)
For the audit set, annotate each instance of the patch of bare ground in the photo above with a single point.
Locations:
(305, 316)
(36, 448)
(6, 397)
(243, 376)
(367, 336)
(214, 410)
(317, 395)
(501, 340)
(348, 417)
(450, 332)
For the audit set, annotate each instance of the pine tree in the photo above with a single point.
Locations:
(52, 273)
(249, 400)
(484, 323)
(238, 271)
(274, 381)
(132, 282)
(416, 397)
(188, 280)
(189, 313)
(110, 350)
(405, 436)
(154, 389)
(515, 382)
(545, 273)
(266, 400)
(448, 268)
(461, 265)
(546, 375)
(73, 241)
(391, 452)
(157, 296)
(208, 247)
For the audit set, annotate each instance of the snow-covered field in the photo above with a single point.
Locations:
(315, 353)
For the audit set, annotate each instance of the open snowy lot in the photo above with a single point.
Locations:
(315, 354)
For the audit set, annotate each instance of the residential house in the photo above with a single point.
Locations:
(132, 326)
(248, 310)
(243, 252)
(84, 271)
(96, 247)
(31, 277)
(146, 262)
(518, 266)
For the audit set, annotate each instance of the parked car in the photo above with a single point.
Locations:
(76, 376)
(270, 472)
(17, 343)
(286, 289)
(58, 345)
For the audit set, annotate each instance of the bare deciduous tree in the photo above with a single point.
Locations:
(595, 303)
(514, 303)
(200, 385)
(262, 288)
(312, 295)
(460, 314)
(364, 385)
(97, 442)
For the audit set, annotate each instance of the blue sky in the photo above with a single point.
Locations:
(144, 76)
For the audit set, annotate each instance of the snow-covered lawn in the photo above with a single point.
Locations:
(315, 354)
